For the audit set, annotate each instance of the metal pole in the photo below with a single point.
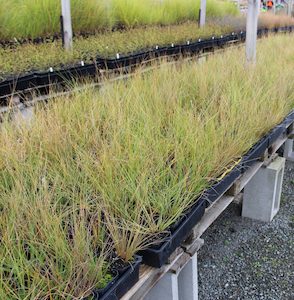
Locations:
(202, 14)
(290, 7)
(67, 27)
(274, 6)
(251, 30)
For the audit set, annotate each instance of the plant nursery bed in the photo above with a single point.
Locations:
(158, 255)
(35, 79)
(125, 278)
(190, 48)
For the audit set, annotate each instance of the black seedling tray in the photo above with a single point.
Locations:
(172, 50)
(219, 188)
(255, 153)
(16, 84)
(157, 256)
(275, 134)
(120, 284)
(281, 129)
(289, 119)
(258, 150)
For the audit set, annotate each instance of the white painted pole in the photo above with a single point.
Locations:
(274, 6)
(251, 30)
(67, 26)
(290, 7)
(202, 14)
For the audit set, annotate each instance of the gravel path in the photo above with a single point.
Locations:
(250, 260)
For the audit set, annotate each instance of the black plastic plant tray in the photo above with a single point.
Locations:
(46, 78)
(39, 79)
(263, 32)
(289, 119)
(172, 50)
(76, 72)
(281, 129)
(257, 151)
(121, 283)
(276, 133)
(10, 85)
(65, 75)
(157, 256)
(254, 154)
(221, 41)
(219, 188)
(135, 58)
(124, 282)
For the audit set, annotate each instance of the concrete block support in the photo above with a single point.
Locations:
(188, 280)
(165, 289)
(289, 150)
(263, 192)
(179, 285)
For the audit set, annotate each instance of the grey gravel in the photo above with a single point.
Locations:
(246, 259)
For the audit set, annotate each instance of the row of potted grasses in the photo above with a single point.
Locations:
(31, 57)
(104, 173)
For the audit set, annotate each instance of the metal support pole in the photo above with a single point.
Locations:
(289, 8)
(251, 30)
(67, 26)
(202, 14)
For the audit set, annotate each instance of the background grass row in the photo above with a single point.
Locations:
(33, 57)
(33, 18)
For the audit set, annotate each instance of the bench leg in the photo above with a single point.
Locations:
(289, 150)
(188, 280)
(262, 194)
(165, 289)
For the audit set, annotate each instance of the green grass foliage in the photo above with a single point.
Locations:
(32, 18)
(111, 169)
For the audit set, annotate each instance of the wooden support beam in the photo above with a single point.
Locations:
(240, 183)
(211, 214)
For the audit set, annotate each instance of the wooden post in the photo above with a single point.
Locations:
(202, 14)
(251, 30)
(66, 21)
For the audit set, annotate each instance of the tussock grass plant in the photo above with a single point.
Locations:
(118, 166)
(31, 18)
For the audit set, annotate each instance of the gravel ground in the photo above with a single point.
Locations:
(245, 259)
